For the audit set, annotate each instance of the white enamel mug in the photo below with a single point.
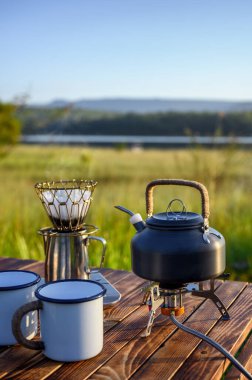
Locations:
(71, 320)
(17, 287)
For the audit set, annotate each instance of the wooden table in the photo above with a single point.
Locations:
(168, 353)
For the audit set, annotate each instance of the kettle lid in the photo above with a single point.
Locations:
(175, 220)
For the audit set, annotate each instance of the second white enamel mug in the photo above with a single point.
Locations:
(17, 287)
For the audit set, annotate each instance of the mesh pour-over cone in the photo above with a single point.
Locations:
(66, 202)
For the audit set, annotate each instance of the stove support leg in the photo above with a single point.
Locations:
(149, 325)
(209, 294)
(154, 301)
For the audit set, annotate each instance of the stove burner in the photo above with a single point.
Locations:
(171, 300)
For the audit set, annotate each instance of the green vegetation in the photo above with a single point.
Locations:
(76, 121)
(122, 177)
(36, 120)
(10, 127)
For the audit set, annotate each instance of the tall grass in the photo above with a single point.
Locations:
(122, 177)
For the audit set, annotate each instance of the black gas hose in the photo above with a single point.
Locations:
(212, 343)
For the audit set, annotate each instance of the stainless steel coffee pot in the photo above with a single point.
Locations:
(67, 254)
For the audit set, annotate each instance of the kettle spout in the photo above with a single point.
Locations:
(135, 219)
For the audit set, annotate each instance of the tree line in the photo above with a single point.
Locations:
(72, 121)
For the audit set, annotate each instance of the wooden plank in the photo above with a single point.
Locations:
(31, 368)
(245, 358)
(8, 263)
(14, 356)
(114, 340)
(32, 265)
(129, 283)
(13, 263)
(120, 311)
(208, 363)
(6, 258)
(137, 352)
(40, 366)
(107, 270)
(131, 357)
(33, 371)
(171, 356)
(116, 275)
(130, 289)
(37, 267)
(121, 339)
(143, 348)
(126, 305)
(2, 258)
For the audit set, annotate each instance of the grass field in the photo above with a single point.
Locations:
(122, 177)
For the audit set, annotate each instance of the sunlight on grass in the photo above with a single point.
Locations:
(122, 177)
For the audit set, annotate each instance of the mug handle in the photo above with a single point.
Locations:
(16, 325)
(104, 247)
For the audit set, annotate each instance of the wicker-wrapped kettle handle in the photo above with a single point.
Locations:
(181, 182)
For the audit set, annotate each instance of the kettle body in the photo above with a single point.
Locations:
(176, 257)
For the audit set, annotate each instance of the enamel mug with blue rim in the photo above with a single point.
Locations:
(71, 320)
(17, 287)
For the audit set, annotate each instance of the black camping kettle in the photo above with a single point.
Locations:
(176, 247)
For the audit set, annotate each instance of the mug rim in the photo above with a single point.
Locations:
(70, 300)
(20, 286)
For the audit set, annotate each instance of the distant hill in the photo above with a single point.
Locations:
(142, 106)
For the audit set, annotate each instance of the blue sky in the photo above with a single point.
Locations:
(72, 49)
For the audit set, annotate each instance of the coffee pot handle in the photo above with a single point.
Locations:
(104, 247)
(202, 189)
(16, 325)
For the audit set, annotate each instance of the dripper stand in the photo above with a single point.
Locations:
(66, 202)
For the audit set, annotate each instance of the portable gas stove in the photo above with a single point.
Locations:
(171, 300)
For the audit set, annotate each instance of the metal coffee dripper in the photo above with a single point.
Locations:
(66, 243)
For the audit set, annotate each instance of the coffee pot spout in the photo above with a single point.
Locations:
(135, 219)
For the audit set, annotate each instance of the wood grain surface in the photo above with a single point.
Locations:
(168, 353)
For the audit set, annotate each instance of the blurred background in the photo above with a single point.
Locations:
(124, 92)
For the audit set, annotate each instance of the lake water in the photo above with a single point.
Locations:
(135, 140)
